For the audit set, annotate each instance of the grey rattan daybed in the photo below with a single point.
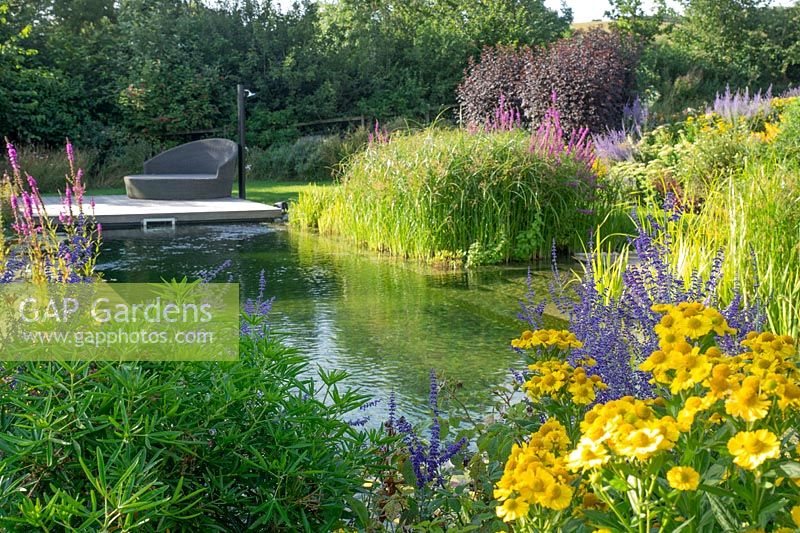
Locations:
(193, 171)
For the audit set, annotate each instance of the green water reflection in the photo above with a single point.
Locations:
(386, 322)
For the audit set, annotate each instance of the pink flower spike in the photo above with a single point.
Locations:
(12, 157)
(70, 154)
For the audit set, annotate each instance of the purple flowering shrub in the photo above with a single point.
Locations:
(43, 249)
(427, 460)
(419, 486)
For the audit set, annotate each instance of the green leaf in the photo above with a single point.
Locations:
(790, 469)
(722, 513)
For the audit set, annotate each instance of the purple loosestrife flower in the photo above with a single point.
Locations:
(70, 155)
(379, 135)
(550, 140)
(504, 118)
(13, 159)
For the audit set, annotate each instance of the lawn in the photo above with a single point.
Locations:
(265, 192)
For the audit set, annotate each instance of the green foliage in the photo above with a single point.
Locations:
(108, 73)
(739, 187)
(102, 169)
(629, 16)
(250, 445)
(482, 197)
(312, 158)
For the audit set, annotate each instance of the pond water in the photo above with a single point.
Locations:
(386, 322)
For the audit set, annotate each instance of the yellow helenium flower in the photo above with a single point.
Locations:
(512, 509)
(588, 454)
(683, 478)
(751, 448)
(748, 403)
(641, 443)
(557, 497)
(694, 327)
(796, 515)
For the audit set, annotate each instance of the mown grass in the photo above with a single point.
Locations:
(455, 196)
(265, 192)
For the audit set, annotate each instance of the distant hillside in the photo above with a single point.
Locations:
(590, 25)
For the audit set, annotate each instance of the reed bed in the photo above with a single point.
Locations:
(456, 196)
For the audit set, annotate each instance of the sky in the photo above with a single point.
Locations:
(588, 10)
(582, 10)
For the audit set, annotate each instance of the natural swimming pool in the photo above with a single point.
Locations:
(386, 322)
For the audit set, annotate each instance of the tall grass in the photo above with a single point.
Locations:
(103, 169)
(457, 196)
(752, 217)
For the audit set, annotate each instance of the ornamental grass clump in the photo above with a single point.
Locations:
(715, 446)
(453, 195)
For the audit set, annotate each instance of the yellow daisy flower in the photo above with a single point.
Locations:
(512, 509)
(683, 478)
(751, 448)
(557, 497)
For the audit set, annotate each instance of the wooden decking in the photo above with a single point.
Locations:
(119, 211)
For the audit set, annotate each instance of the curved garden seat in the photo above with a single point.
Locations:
(192, 171)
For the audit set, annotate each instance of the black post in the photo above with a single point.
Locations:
(240, 114)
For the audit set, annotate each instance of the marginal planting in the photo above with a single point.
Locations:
(736, 181)
(458, 196)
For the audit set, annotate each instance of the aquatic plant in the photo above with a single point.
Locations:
(472, 198)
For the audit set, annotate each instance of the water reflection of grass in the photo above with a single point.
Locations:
(401, 319)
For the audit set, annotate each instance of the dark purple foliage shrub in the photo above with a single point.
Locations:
(617, 330)
(593, 74)
(498, 74)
